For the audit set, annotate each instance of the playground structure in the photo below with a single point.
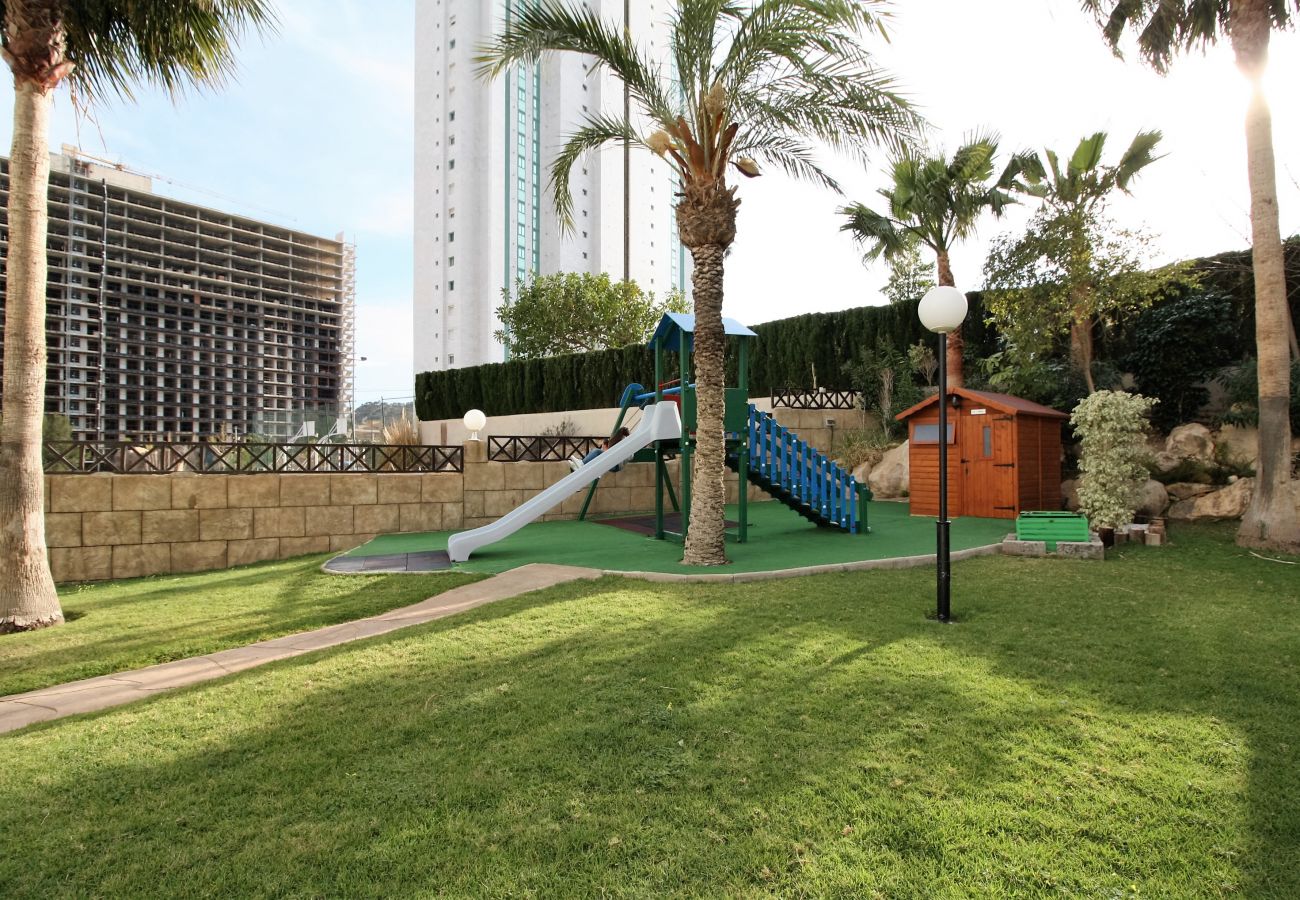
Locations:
(759, 449)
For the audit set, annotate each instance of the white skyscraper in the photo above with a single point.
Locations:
(483, 150)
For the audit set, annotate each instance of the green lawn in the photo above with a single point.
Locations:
(120, 625)
(1104, 730)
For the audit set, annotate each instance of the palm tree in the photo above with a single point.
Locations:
(1071, 197)
(1174, 26)
(755, 83)
(936, 202)
(100, 48)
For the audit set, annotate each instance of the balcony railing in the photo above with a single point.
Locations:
(791, 398)
(539, 448)
(240, 458)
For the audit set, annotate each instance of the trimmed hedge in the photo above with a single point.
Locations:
(803, 351)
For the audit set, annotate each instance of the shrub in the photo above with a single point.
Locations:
(855, 446)
(1112, 427)
(883, 377)
(1241, 388)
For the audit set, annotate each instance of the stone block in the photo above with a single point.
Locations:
(81, 563)
(642, 499)
(1013, 547)
(474, 501)
(353, 489)
(478, 522)
(241, 553)
(497, 503)
(474, 452)
(400, 488)
(166, 526)
(328, 520)
(281, 522)
(142, 492)
(341, 542)
(304, 490)
(301, 546)
(225, 524)
(553, 472)
(198, 556)
(81, 493)
(526, 476)
(1081, 549)
(442, 487)
(613, 499)
(63, 529)
(253, 491)
(419, 517)
(453, 516)
(99, 529)
(486, 476)
(199, 491)
(141, 559)
(381, 518)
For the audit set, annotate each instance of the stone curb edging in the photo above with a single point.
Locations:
(105, 691)
(896, 562)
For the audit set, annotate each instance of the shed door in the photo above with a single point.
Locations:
(988, 464)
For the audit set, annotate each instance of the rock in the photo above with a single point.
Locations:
(1241, 444)
(1184, 490)
(1070, 494)
(1165, 461)
(889, 477)
(1191, 441)
(1154, 499)
(1228, 503)
(862, 472)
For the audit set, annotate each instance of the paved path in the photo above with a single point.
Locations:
(94, 694)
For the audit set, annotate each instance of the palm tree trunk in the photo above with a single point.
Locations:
(956, 343)
(27, 596)
(1081, 339)
(706, 535)
(1272, 519)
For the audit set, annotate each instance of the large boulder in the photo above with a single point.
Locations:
(1070, 494)
(862, 472)
(1185, 490)
(1228, 503)
(1241, 444)
(1164, 461)
(889, 478)
(1154, 499)
(1192, 441)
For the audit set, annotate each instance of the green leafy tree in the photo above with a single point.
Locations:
(935, 202)
(1112, 427)
(1164, 30)
(909, 276)
(1073, 268)
(577, 313)
(753, 83)
(1069, 274)
(101, 48)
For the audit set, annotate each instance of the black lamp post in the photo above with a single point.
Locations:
(942, 310)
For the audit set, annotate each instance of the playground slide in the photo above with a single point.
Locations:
(660, 422)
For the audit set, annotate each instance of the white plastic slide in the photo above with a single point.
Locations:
(659, 423)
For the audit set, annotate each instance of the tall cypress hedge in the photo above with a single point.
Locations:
(798, 352)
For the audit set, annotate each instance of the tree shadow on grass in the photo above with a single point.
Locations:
(633, 740)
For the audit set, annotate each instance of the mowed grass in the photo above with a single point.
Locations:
(1118, 729)
(119, 625)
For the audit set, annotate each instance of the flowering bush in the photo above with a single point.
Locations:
(1111, 426)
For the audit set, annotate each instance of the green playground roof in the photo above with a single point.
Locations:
(673, 324)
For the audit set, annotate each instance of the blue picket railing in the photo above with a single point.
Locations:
(809, 479)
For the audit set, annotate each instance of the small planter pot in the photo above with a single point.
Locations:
(1107, 535)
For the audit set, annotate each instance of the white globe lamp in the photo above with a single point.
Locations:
(474, 422)
(942, 309)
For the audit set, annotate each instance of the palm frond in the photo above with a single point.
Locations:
(1138, 156)
(879, 235)
(596, 131)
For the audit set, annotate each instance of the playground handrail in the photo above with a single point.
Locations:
(807, 475)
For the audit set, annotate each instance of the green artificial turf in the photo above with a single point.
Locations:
(1102, 730)
(113, 626)
(779, 538)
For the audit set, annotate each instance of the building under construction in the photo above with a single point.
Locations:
(167, 319)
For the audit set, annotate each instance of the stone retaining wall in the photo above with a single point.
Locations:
(123, 526)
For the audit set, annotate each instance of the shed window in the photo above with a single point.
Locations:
(929, 434)
(988, 441)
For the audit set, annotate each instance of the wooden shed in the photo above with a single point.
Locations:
(1004, 455)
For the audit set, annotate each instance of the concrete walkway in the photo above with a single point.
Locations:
(105, 691)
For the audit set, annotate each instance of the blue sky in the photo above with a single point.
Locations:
(315, 134)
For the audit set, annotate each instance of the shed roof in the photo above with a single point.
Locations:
(1005, 403)
(674, 323)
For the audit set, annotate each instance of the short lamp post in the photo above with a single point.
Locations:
(474, 422)
(942, 310)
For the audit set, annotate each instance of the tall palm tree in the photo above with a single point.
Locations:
(100, 48)
(757, 82)
(936, 202)
(1163, 30)
(1071, 197)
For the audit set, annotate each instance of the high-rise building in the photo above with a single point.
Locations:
(169, 319)
(484, 218)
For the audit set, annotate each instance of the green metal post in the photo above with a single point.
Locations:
(684, 368)
(742, 451)
(661, 472)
